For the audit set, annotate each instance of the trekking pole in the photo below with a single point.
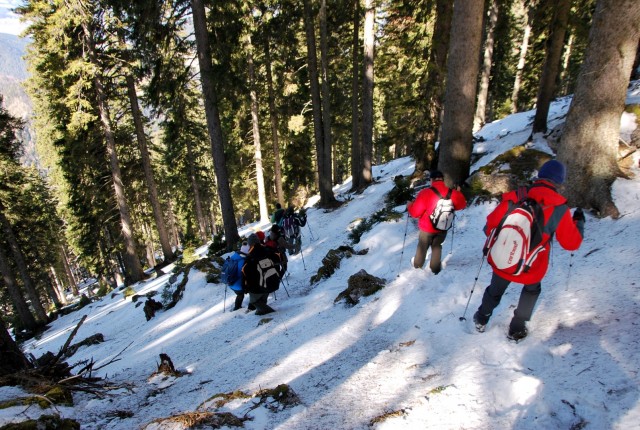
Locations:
(303, 263)
(462, 318)
(406, 227)
(224, 302)
(284, 286)
(311, 232)
(453, 235)
(569, 274)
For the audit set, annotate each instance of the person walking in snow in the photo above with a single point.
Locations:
(423, 208)
(557, 220)
(237, 286)
(277, 215)
(254, 275)
(276, 241)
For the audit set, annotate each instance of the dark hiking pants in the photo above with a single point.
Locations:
(493, 294)
(426, 240)
(239, 299)
(260, 302)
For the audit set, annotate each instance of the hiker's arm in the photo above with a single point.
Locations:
(459, 202)
(568, 232)
(419, 206)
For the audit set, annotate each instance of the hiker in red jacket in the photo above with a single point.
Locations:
(422, 208)
(557, 220)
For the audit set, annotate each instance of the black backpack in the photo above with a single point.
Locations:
(268, 268)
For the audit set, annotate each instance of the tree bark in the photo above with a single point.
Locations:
(590, 139)
(12, 359)
(133, 266)
(324, 183)
(460, 97)
(524, 47)
(367, 94)
(213, 123)
(356, 143)
(21, 265)
(551, 67)
(152, 189)
(327, 173)
(197, 198)
(566, 58)
(434, 88)
(67, 268)
(274, 124)
(483, 93)
(19, 303)
(255, 128)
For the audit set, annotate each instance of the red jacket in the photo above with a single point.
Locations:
(567, 233)
(426, 202)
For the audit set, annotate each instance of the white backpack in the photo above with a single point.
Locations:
(444, 213)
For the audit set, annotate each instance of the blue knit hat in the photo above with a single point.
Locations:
(554, 171)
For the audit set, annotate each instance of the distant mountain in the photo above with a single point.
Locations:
(13, 72)
(12, 49)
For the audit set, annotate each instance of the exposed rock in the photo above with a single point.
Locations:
(150, 308)
(360, 285)
(331, 262)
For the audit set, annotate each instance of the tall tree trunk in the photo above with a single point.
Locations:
(434, 88)
(367, 93)
(589, 144)
(197, 198)
(55, 291)
(524, 47)
(213, 123)
(326, 191)
(551, 67)
(326, 97)
(274, 124)
(134, 268)
(460, 97)
(152, 189)
(21, 264)
(255, 128)
(67, 268)
(19, 303)
(483, 93)
(12, 359)
(356, 143)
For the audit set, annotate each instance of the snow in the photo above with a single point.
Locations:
(403, 349)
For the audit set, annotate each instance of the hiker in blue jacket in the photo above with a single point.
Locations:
(237, 286)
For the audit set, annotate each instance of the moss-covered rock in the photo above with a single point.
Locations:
(331, 261)
(45, 422)
(60, 396)
(360, 285)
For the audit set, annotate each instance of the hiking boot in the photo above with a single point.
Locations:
(517, 335)
(236, 308)
(266, 310)
(251, 307)
(481, 323)
(412, 265)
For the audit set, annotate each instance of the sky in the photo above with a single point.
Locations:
(401, 358)
(9, 21)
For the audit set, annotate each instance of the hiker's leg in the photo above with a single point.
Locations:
(528, 298)
(436, 252)
(491, 298)
(421, 249)
(239, 299)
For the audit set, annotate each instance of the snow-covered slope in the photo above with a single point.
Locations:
(403, 349)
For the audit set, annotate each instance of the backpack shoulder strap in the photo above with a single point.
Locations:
(554, 220)
(449, 193)
(435, 190)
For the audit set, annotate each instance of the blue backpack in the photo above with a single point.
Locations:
(230, 271)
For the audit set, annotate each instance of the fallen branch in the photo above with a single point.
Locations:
(64, 348)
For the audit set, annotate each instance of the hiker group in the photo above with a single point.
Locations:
(259, 266)
(519, 233)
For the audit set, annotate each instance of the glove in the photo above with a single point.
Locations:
(578, 215)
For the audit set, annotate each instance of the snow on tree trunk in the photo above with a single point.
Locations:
(590, 139)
